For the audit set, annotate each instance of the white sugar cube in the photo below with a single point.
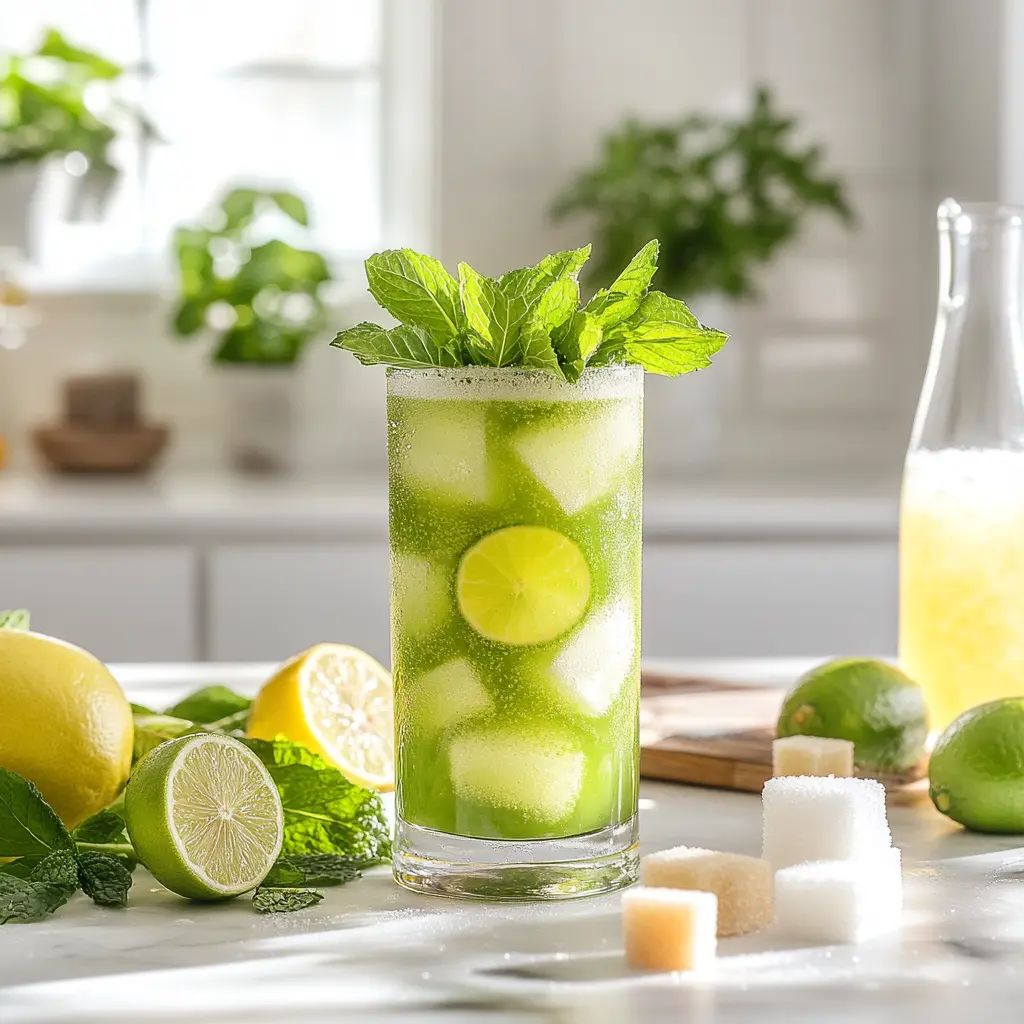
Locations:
(743, 885)
(812, 755)
(840, 900)
(669, 929)
(808, 818)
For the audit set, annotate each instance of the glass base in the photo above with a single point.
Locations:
(512, 871)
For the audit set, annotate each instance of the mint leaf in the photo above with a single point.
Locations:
(50, 884)
(152, 730)
(404, 346)
(28, 825)
(576, 342)
(210, 704)
(538, 351)
(614, 304)
(104, 879)
(323, 811)
(495, 316)
(284, 901)
(141, 709)
(16, 619)
(417, 290)
(106, 826)
(497, 311)
(313, 869)
(662, 336)
(535, 280)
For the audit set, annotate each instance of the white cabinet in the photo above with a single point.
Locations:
(266, 602)
(123, 603)
(763, 599)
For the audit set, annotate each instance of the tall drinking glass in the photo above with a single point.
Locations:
(515, 523)
(962, 521)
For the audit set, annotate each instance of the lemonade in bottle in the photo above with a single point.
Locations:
(515, 457)
(962, 514)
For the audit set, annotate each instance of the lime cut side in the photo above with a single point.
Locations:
(523, 585)
(205, 816)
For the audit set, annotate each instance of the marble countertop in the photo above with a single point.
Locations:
(374, 952)
(177, 506)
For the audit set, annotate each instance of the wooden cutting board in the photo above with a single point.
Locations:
(711, 733)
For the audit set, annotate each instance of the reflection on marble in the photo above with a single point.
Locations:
(372, 951)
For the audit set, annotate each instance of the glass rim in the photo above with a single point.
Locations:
(514, 382)
(951, 211)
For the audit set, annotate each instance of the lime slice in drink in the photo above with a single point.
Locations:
(976, 772)
(204, 816)
(523, 585)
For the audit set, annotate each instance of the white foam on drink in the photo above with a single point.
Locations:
(516, 384)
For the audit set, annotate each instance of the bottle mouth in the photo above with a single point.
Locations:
(966, 218)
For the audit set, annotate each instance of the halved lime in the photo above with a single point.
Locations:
(523, 585)
(204, 816)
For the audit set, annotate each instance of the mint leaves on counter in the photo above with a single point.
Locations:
(52, 863)
(210, 705)
(324, 813)
(284, 901)
(529, 317)
(16, 619)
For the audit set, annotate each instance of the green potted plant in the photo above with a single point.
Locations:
(262, 301)
(44, 114)
(724, 196)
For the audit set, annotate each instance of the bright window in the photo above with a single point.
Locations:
(284, 93)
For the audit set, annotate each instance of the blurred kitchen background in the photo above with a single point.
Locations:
(165, 308)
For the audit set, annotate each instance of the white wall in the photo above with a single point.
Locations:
(822, 374)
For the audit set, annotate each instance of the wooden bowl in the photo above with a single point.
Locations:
(69, 449)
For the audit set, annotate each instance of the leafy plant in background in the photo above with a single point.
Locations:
(43, 104)
(263, 299)
(722, 196)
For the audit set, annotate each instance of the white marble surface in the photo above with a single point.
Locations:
(173, 506)
(373, 952)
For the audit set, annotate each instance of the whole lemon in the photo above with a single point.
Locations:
(64, 723)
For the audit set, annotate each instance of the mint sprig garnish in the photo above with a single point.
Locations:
(529, 317)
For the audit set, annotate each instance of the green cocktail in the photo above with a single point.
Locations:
(515, 456)
(515, 540)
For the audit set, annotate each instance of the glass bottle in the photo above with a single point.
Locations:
(962, 515)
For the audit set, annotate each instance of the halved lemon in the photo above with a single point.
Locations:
(339, 702)
(523, 585)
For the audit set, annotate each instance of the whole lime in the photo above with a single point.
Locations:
(869, 702)
(976, 773)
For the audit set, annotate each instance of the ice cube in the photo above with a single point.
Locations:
(593, 664)
(840, 900)
(442, 449)
(450, 693)
(419, 592)
(809, 818)
(812, 755)
(743, 885)
(537, 773)
(580, 462)
(669, 929)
